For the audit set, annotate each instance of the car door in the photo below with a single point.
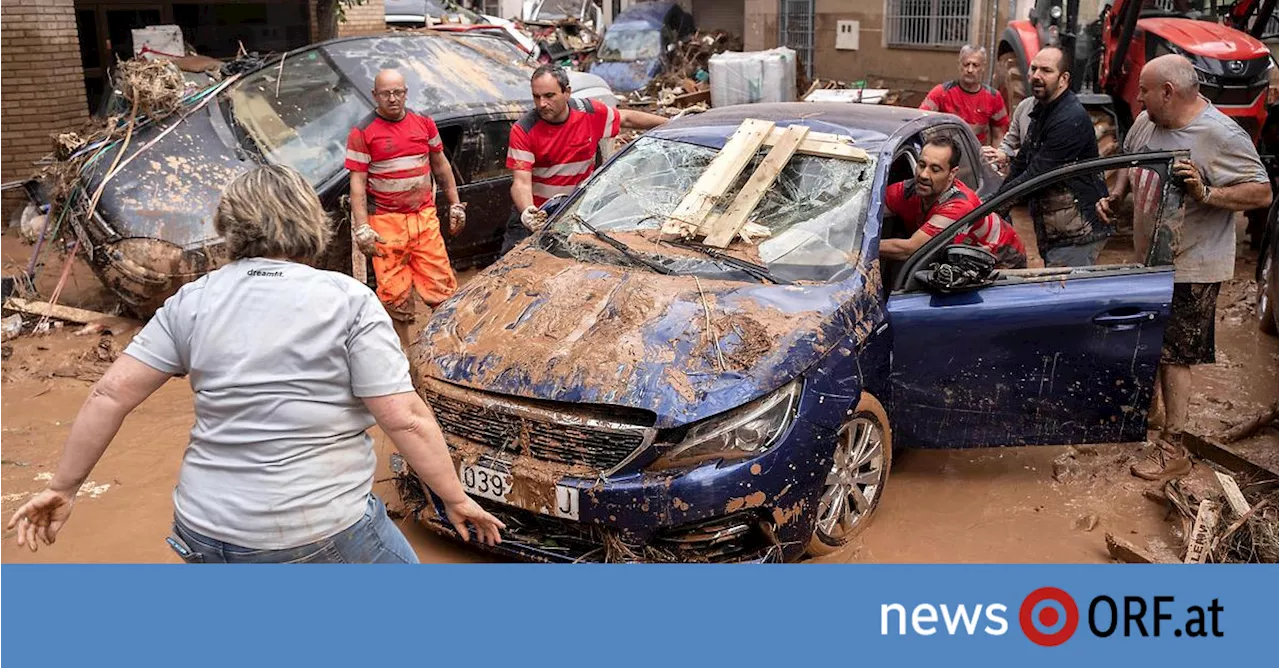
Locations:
(486, 188)
(1048, 356)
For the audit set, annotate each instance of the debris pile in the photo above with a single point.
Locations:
(568, 42)
(863, 91)
(685, 81)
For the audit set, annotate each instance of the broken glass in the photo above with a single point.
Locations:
(299, 114)
(814, 211)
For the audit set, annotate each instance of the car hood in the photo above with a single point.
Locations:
(170, 188)
(625, 77)
(546, 328)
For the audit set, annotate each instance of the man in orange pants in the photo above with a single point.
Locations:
(393, 157)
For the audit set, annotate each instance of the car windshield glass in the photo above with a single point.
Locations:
(814, 212)
(629, 45)
(299, 114)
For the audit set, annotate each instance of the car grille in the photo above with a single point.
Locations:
(736, 537)
(599, 448)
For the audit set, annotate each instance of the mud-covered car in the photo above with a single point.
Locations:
(152, 229)
(614, 396)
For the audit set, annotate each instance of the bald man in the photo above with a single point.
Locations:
(1223, 176)
(393, 158)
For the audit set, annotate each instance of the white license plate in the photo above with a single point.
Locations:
(485, 482)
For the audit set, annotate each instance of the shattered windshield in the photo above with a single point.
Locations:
(814, 211)
(628, 45)
(299, 114)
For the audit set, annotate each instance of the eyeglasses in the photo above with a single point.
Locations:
(391, 94)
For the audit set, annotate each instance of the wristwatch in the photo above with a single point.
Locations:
(1207, 189)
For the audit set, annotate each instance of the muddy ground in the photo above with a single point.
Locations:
(1018, 505)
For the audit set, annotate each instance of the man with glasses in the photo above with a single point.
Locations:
(393, 157)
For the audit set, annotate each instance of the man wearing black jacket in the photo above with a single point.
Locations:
(1068, 230)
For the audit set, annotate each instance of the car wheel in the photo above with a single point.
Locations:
(1266, 306)
(1007, 78)
(859, 470)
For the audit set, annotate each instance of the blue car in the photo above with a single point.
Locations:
(616, 397)
(635, 46)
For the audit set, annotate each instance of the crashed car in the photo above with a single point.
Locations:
(152, 229)
(635, 47)
(611, 395)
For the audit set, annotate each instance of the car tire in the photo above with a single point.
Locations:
(1007, 78)
(1266, 306)
(859, 472)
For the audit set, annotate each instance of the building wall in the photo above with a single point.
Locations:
(760, 24)
(719, 15)
(42, 86)
(367, 19)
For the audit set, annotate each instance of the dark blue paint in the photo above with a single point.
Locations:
(625, 77)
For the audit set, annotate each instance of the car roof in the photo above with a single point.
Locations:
(447, 75)
(653, 13)
(870, 125)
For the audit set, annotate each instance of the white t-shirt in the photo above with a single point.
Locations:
(278, 354)
(1204, 237)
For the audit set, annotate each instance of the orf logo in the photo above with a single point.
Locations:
(1048, 616)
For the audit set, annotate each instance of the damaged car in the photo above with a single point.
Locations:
(636, 46)
(614, 395)
(152, 228)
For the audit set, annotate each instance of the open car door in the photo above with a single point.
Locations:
(1041, 356)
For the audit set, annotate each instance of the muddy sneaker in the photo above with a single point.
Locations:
(1165, 461)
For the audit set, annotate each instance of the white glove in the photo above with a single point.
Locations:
(367, 240)
(533, 218)
(457, 217)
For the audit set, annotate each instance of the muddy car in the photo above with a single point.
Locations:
(614, 396)
(152, 230)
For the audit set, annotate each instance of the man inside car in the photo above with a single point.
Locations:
(936, 198)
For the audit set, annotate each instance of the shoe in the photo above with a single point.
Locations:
(1164, 462)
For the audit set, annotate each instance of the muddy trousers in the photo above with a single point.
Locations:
(374, 539)
(414, 259)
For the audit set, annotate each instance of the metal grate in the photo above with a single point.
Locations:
(549, 441)
(795, 31)
(929, 22)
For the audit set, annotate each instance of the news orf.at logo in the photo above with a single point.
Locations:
(1048, 616)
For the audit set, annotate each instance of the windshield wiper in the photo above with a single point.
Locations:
(621, 247)
(758, 271)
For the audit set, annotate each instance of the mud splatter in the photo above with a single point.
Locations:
(752, 500)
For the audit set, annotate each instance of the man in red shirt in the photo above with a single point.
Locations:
(981, 106)
(393, 157)
(935, 199)
(552, 149)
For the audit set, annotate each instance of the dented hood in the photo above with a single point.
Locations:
(541, 327)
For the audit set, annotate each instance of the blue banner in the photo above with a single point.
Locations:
(660, 615)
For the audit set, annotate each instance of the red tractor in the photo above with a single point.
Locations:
(1111, 44)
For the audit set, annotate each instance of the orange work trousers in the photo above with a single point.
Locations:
(413, 257)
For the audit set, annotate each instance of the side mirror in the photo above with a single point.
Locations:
(553, 205)
(959, 268)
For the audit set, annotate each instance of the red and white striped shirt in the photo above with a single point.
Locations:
(396, 154)
(561, 155)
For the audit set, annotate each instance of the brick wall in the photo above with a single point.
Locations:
(367, 19)
(41, 84)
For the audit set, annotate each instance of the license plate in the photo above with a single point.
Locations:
(485, 482)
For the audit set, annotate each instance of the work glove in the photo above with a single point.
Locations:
(457, 217)
(533, 218)
(367, 240)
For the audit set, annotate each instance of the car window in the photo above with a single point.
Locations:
(815, 210)
(490, 159)
(1145, 224)
(299, 114)
(629, 45)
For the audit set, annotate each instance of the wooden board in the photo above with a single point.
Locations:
(718, 177)
(1201, 538)
(726, 227)
(823, 145)
(1235, 498)
(68, 313)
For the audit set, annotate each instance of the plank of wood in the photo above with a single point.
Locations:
(1235, 526)
(718, 177)
(823, 145)
(727, 226)
(1235, 498)
(1202, 532)
(1122, 550)
(1220, 455)
(68, 313)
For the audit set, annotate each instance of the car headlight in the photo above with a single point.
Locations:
(743, 432)
(148, 260)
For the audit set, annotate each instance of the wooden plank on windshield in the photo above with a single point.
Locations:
(689, 216)
(726, 227)
(823, 145)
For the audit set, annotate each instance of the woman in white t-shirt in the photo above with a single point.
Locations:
(290, 366)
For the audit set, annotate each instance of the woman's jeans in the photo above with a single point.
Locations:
(375, 539)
